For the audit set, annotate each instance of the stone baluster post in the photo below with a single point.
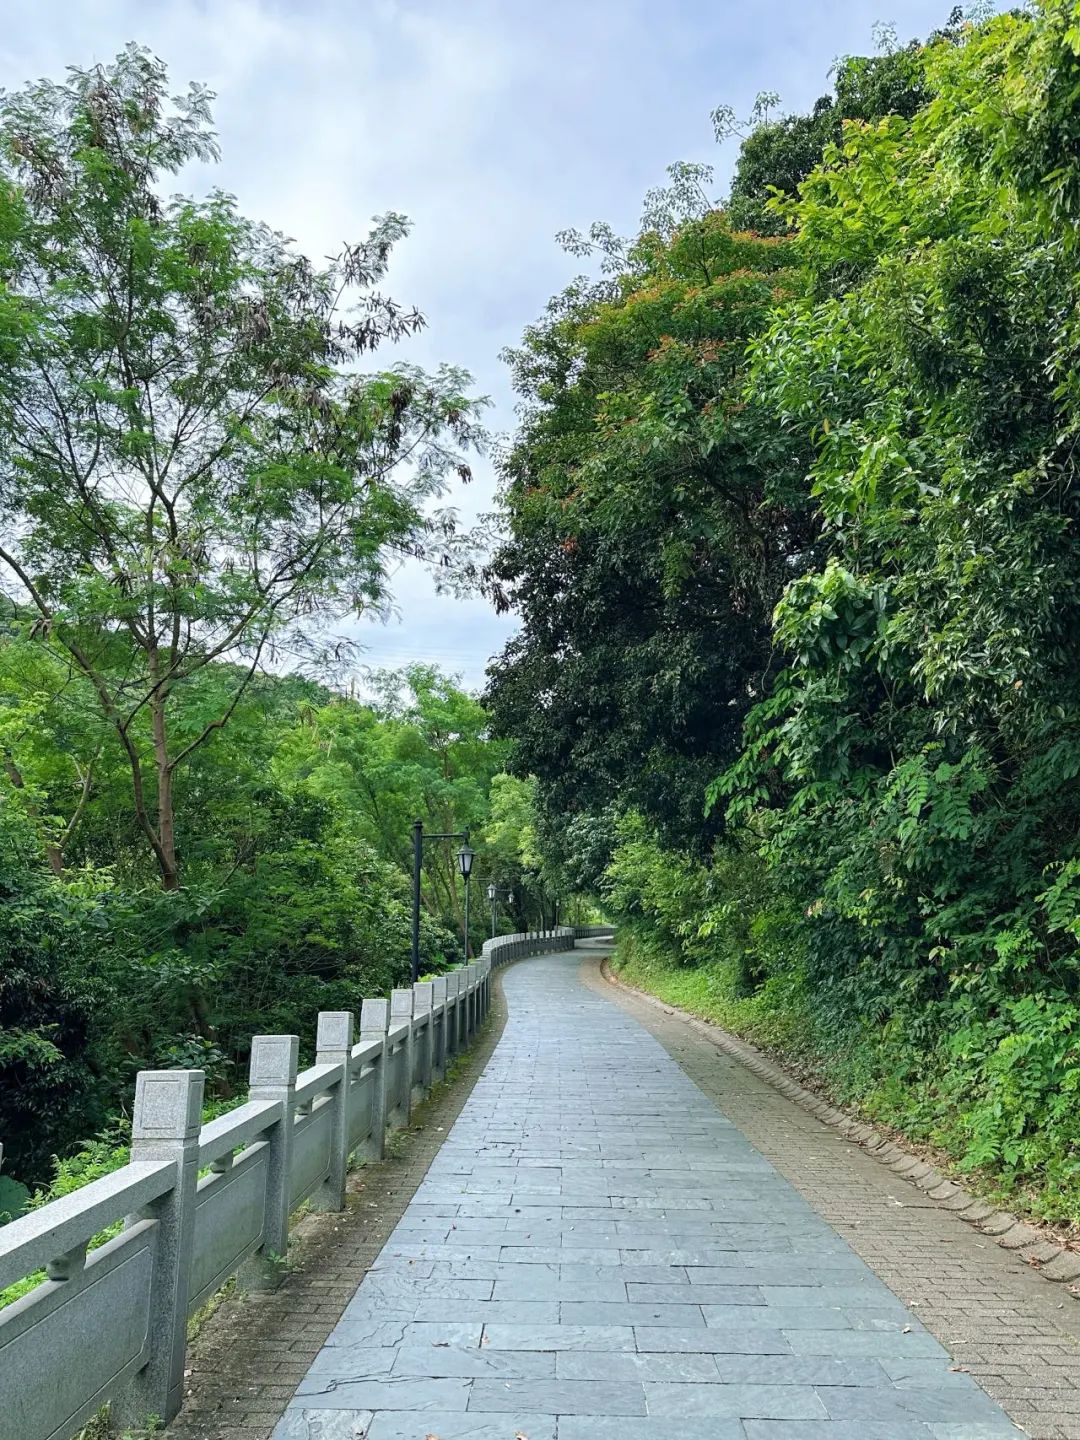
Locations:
(401, 1009)
(453, 1012)
(333, 1046)
(464, 998)
(472, 1009)
(465, 993)
(374, 1019)
(272, 1076)
(422, 1006)
(165, 1126)
(462, 1010)
(440, 1014)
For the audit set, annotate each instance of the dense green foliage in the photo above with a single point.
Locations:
(296, 896)
(874, 496)
(648, 536)
(56, 999)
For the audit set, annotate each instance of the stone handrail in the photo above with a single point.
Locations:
(202, 1203)
(594, 932)
(504, 948)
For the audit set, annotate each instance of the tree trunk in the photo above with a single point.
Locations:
(170, 870)
(166, 830)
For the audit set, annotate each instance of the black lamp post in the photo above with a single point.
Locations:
(465, 859)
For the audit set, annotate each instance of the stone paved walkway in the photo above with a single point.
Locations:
(597, 1253)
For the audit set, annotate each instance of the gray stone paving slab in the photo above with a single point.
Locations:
(954, 1404)
(708, 1341)
(399, 1425)
(798, 1370)
(450, 1360)
(625, 1313)
(597, 1253)
(526, 1254)
(874, 1430)
(357, 1362)
(491, 1312)
(590, 1365)
(393, 1286)
(542, 1286)
(969, 1431)
(736, 1402)
(560, 1397)
(919, 1374)
(884, 1344)
(801, 1317)
(597, 1427)
(305, 1424)
(836, 1430)
(406, 1394)
(364, 1334)
(560, 1337)
(677, 1294)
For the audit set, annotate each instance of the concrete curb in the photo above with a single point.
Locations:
(1055, 1262)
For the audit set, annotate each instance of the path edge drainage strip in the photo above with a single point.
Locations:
(1053, 1261)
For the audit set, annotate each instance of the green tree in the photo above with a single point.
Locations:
(193, 469)
(916, 770)
(420, 750)
(654, 516)
(777, 154)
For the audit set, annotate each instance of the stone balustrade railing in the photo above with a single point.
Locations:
(504, 948)
(202, 1203)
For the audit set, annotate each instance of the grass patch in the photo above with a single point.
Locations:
(765, 1018)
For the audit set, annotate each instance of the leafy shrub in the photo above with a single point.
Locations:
(57, 1008)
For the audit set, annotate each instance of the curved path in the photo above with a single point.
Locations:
(597, 1253)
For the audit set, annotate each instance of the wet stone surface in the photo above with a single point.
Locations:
(598, 1253)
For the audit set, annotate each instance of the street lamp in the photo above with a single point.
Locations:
(465, 859)
(493, 897)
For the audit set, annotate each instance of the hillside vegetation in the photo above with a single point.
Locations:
(793, 529)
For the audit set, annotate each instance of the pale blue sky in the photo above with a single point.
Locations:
(492, 125)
